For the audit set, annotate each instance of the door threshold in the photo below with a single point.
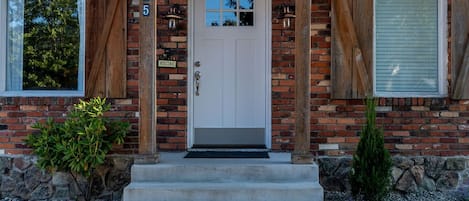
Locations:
(229, 146)
(229, 149)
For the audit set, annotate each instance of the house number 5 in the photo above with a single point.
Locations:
(146, 10)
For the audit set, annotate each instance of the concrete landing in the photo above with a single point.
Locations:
(179, 179)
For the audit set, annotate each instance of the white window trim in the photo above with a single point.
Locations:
(36, 93)
(442, 57)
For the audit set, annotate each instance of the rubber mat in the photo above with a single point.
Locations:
(227, 154)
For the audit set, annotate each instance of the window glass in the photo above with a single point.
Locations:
(213, 19)
(246, 4)
(229, 13)
(406, 46)
(230, 4)
(212, 4)
(246, 19)
(44, 45)
(229, 19)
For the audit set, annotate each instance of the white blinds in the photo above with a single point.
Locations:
(406, 46)
(81, 63)
(15, 45)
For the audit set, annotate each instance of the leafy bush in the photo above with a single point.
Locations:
(371, 169)
(80, 144)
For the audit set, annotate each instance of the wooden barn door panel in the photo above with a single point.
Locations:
(106, 48)
(352, 48)
(460, 48)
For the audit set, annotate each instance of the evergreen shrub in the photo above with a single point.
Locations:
(370, 176)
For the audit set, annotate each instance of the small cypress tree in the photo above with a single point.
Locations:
(370, 176)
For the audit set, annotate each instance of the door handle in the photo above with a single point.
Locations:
(197, 76)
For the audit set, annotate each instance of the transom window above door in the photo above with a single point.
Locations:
(229, 13)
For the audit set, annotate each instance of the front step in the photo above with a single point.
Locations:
(224, 172)
(238, 191)
(224, 180)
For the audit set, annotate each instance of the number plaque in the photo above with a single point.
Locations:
(146, 10)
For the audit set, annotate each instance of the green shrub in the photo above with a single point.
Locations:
(370, 176)
(80, 144)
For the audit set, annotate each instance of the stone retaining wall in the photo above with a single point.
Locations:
(409, 174)
(21, 179)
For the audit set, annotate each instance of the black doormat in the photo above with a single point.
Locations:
(227, 154)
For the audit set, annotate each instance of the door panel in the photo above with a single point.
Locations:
(210, 90)
(250, 94)
(230, 43)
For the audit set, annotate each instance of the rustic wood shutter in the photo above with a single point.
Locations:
(352, 48)
(460, 48)
(106, 48)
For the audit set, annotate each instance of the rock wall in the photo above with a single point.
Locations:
(22, 180)
(409, 174)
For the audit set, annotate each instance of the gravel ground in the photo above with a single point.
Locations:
(394, 196)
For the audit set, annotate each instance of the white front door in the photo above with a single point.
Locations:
(230, 75)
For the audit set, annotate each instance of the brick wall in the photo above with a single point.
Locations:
(172, 82)
(283, 81)
(413, 126)
(18, 114)
(283, 72)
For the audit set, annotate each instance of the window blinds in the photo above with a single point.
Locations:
(15, 45)
(406, 46)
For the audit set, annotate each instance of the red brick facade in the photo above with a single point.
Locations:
(413, 126)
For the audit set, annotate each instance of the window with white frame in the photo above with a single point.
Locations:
(41, 47)
(229, 13)
(410, 48)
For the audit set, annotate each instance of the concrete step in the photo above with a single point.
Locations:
(224, 172)
(178, 179)
(225, 191)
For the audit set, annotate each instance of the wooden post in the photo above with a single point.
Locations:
(147, 83)
(302, 154)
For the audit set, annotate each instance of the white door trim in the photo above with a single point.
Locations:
(190, 70)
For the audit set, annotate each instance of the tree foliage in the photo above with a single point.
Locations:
(371, 169)
(51, 44)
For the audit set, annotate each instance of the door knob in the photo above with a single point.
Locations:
(197, 76)
(197, 64)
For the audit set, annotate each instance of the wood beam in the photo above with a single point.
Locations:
(460, 49)
(462, 78)
(147, 84)
(302, 153)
